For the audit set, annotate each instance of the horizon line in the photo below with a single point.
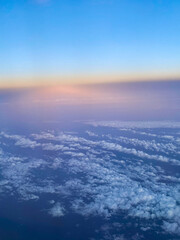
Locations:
(50, 81)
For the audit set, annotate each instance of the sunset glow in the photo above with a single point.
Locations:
(65, 42)
(89, 119)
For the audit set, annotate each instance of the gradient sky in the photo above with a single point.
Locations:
(88, 40)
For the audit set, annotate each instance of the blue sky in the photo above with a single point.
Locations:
(41, 37)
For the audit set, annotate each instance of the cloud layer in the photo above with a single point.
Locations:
(100, 172)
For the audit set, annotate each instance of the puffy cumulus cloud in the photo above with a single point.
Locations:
(28, 143)
(133, 151)
(172, 227)
(112, 191)
(138, 127)
(115, 147)
(43, 135)
(62, 137)
(147, 144)
(21, 141)
(104, 176)
(28, 197)
(53, 147)
(57, 210)
(92, 134)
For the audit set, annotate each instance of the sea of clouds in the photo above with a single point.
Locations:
(109, 169)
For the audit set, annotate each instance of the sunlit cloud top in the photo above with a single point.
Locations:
(51, 41)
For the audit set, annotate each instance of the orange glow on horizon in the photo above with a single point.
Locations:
(55, 81)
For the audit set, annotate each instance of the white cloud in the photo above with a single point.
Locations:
(96, 180)
(57, 210)
(139, 124)
(92, 134)
(172, 227)
(21, 141)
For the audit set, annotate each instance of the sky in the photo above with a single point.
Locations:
(86, 41)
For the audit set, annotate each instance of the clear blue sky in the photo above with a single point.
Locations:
(88, 36)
